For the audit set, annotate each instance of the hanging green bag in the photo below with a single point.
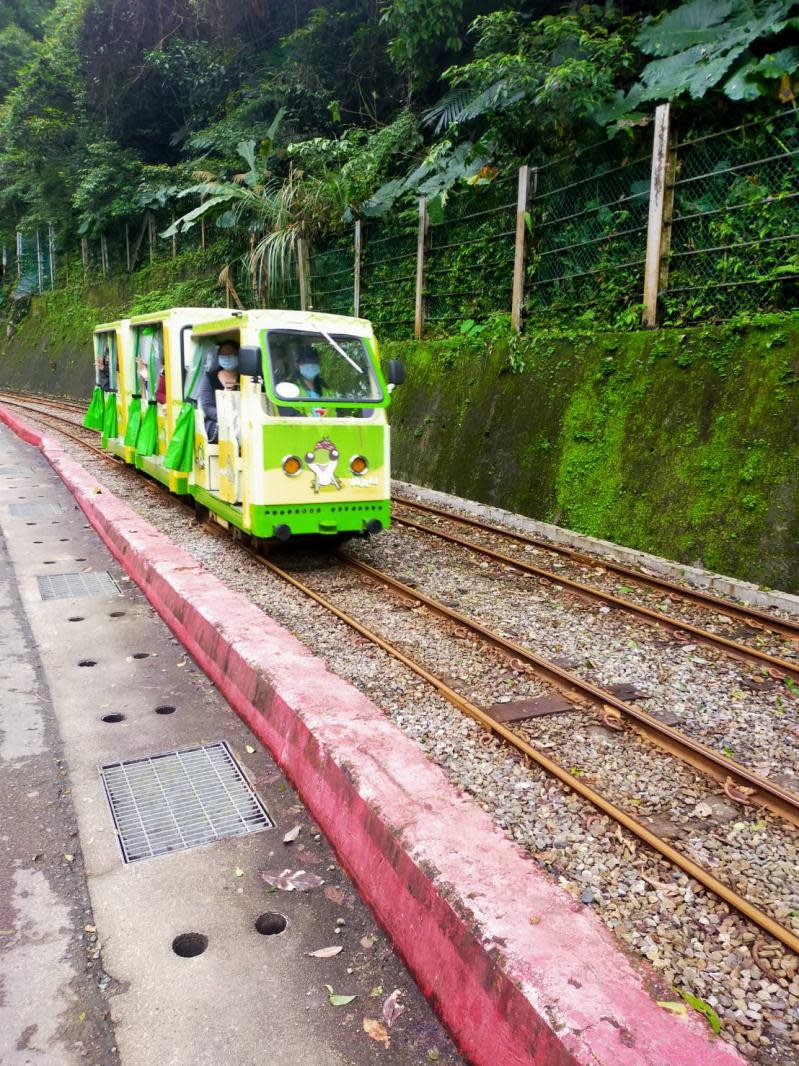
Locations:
(147, 440)
(134, 422)
(110, 417)
(93, 419)
(180, 452)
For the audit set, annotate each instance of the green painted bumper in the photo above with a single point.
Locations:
(322, 518)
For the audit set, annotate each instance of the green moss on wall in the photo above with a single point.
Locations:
(683, 443)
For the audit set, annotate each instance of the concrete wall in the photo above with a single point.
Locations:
(679, 442)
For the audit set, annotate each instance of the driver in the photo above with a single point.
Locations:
(306, 373)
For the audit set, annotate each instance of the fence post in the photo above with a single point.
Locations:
(19, 254)
(528, 178)
(302, 274)
(356, 283)
(421, 244)
(127, 246)
(104, 264)
(661, 199)
(151, 234)
(51, 253)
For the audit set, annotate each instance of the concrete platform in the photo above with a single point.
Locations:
(87, 970)
(454, 894)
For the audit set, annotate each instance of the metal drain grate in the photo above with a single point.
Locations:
(34, 510)
(175, 801)
(70, 586)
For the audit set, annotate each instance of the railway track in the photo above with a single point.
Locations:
(777, 666)
(740, 784)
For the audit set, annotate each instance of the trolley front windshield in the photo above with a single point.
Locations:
(308, 366)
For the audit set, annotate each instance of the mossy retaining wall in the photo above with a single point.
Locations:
(679, 442)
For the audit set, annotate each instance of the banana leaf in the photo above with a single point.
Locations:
(93, 419)
(147, 440)
(110, 416)
(180, 451)
(134, 422)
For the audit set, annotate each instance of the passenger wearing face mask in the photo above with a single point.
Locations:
(213, 381)
(306, 376)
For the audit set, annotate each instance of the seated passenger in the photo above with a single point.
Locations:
(103, 371)
(160, 390)
(226, 377)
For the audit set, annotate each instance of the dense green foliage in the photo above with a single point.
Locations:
(290, 120)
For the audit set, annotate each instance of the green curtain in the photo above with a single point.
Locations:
(110, 416)
(93, 419)
(134, 422)
(147, 440)
(180, 452)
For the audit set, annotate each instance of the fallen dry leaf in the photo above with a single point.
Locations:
(367, 942)
(335, 895)
(326, 953)
(392, 1008)
(249, 748)
(376, 1031)
(292, 834)
(289, 880)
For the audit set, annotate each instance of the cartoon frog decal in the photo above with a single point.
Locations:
(324, 467)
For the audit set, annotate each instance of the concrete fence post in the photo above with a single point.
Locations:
(528, 178)
(51, 252)
(303, 275)
(421, 246)
(661, 200)
(356, 280)
(39, 261)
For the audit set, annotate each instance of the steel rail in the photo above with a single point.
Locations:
(648, 614)
(606, 806)
(729, 773)
(748, 615)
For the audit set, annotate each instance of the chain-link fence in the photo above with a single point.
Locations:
(725, 242)
(388, 277)
(735, 222)
(332, 277)
(469, 263)
(589, 236)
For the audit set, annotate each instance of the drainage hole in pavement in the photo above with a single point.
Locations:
(80, 560)
(63, 540)
(36, 541)
(76, 618)
(141, 655)
(116, 614)
(271, 923)
(49, 562)
(165, 709)
(88, 662)
(189, 945)
(33, 524)
(112, 718)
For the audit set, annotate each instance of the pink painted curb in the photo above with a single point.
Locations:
(453, 893)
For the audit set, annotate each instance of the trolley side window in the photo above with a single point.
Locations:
(149, 350)
(105, 352)
(309, 366)
(198, 357)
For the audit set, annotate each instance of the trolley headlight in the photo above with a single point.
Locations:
(359, 465)
(292, 465)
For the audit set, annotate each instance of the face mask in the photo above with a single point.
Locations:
(309, 370)
(228, 362)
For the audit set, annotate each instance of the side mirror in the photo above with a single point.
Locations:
(395, 372)
(250, 361)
